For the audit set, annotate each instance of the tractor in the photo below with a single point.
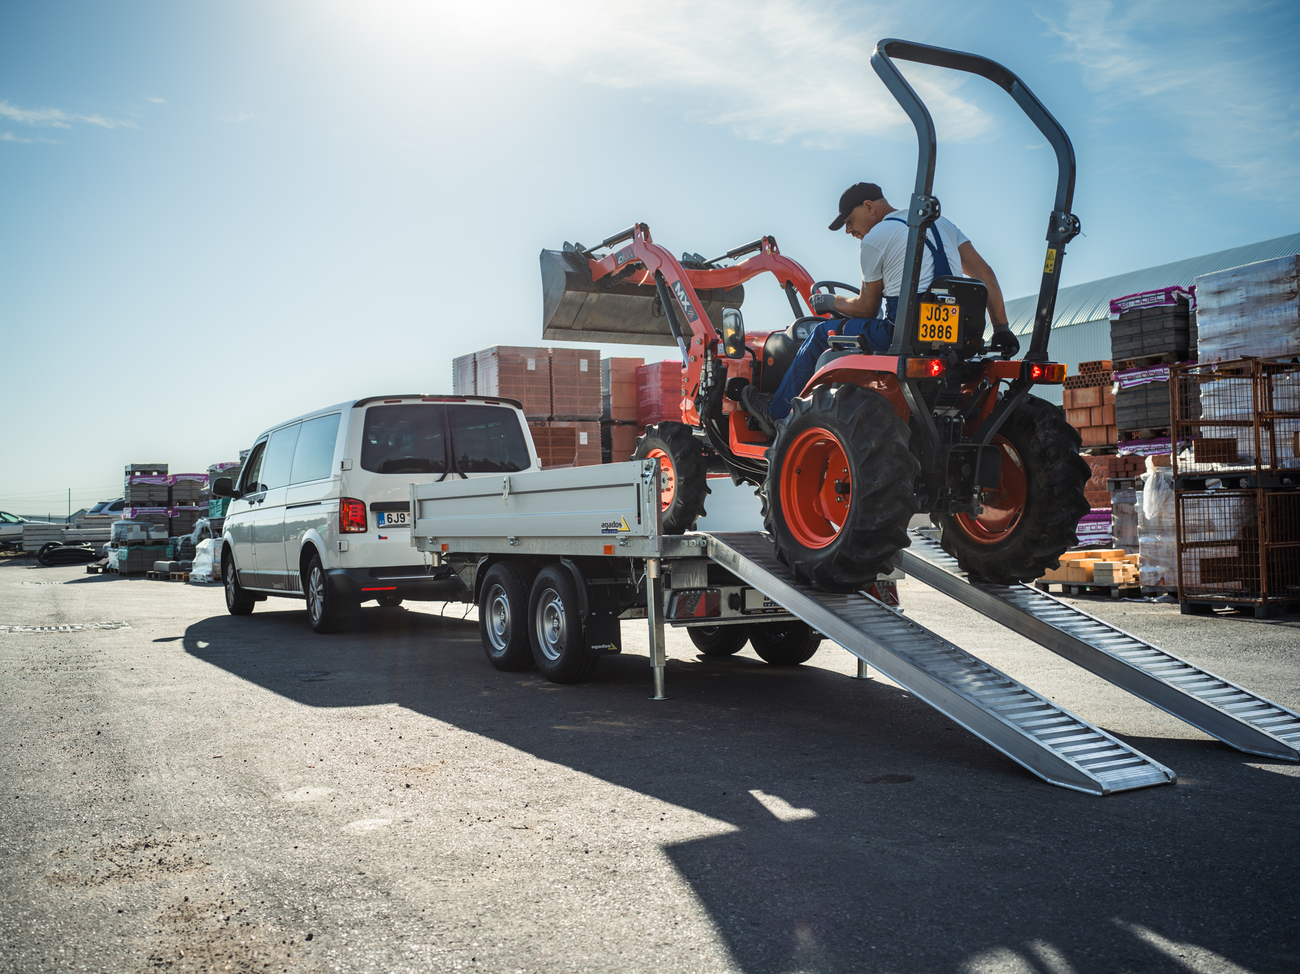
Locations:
(935, 424)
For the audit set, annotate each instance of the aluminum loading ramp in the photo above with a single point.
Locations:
(1025, 726)
(1210, 703)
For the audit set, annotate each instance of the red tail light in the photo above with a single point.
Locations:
(352, 516)
(1044, 371)
(924, 368)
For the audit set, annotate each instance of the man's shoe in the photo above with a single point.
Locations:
(759, 406)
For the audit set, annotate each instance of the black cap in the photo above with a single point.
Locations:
(853, 197)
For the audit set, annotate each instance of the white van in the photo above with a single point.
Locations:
(322, 507)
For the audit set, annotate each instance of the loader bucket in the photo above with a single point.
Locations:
(574, 309)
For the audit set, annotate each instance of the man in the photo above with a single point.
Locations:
(867, 215)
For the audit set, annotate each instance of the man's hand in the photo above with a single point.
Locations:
(823, 303)
(1005, 343)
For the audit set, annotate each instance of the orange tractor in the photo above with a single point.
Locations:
(932, 425)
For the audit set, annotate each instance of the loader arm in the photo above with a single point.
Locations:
(642, 262)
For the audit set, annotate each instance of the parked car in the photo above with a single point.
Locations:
(106, 508)
(321, 509)
(11, 530)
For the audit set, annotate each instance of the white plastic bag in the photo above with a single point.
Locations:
(207, 559)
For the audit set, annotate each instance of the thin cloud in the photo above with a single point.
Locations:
(234, 118)
(57, 118)
(156, 101)
(1216, 81)
(770, 70)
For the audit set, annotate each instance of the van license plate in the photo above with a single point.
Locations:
(394, 519)
(939, 322)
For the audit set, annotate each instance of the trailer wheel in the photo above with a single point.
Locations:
(840, 487)
(238, 602)
(785, 643)
(390, 601)
(555, 628)
(683, 473)
(719, 640)
(503, 618)
(1031, 519)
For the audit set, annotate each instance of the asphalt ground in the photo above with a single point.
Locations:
(187, 791)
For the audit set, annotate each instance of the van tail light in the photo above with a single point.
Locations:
(352, 516)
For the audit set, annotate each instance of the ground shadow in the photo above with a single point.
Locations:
(870, 832)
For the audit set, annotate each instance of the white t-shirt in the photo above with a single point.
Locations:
(884, 244)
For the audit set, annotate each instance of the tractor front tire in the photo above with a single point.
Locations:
(1030, 520)
(840, 487)
(683, 485)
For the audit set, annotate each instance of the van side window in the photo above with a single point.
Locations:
(404, 438)
(253, 470)
(488, 439)
(314, 457)
(279, 456)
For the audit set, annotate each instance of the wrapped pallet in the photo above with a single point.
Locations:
(1252, 310)
(1157, 531)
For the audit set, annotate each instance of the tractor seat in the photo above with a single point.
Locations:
(780, 349)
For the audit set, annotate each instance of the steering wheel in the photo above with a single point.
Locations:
(831, 286)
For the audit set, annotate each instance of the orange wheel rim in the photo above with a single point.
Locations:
(816, 486)
(667, 477)
(1004, 506)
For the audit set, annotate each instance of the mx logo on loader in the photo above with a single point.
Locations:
(684, 301)
(615, 527)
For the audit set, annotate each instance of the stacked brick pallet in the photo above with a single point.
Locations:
(559, 390)
(171, 501)
(618, 403)
(1089, 400)
(1113, 570)
(1149, 332)
(659, 392)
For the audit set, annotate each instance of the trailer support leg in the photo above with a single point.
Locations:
(863, 672)
(654, 597)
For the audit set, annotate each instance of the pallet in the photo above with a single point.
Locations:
(1149, 361)
(1090, 590)
(179, 576)
(1155, 433)
(1262, 610)
(96, 569)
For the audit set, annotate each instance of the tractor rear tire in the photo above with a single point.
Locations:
(840, 436)
(683, 473)
(1030, 520)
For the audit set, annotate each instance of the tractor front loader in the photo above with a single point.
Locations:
(933, 424)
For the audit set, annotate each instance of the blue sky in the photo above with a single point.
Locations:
(219, 216)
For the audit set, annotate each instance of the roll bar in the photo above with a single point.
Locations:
(1062, 225)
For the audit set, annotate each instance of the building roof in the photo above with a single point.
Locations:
(1091, 302)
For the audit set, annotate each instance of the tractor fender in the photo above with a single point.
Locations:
(875, 372)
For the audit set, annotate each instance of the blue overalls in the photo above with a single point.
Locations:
(879, 332)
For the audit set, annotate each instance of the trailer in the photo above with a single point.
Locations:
(556, 560)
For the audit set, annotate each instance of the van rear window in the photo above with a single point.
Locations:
(412, 438)
(406, 438)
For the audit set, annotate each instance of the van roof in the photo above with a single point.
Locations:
(423, 397)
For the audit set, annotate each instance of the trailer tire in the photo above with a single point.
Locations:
(1032, 520)
(785, 643)
(719, 640)
(856, 430)
(503, 618)
(683, 473)
(555, 629)
(390, 601)
(238, 601)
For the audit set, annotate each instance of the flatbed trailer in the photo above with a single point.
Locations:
(601, 527)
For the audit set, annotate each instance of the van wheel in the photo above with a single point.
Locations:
(719, 640)
(555, 628)
(785, 643)
(503, 618)
(238, 602)
(323, 609)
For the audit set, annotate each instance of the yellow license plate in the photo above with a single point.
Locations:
(939, 322)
